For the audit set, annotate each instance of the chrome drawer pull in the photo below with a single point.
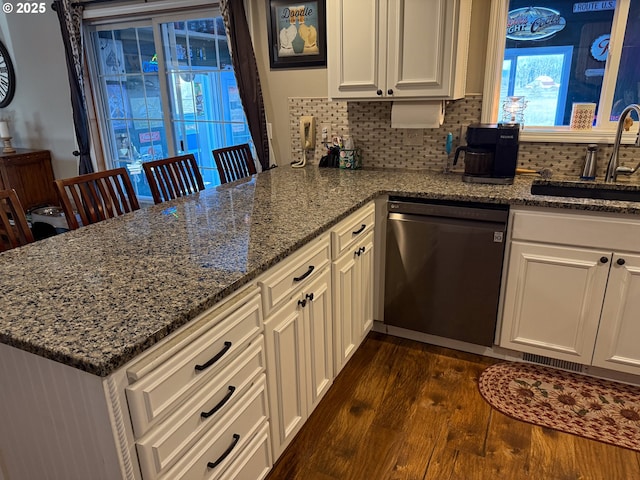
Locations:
(218, 356)
(304, 275)
(220, 404)
(226, 453)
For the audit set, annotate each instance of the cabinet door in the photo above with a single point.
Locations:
(617, 346)
(356, 40)
(552, 300)
(318, 339)
(365, 265)
(346, 307)
(420, 47)
(284, 341)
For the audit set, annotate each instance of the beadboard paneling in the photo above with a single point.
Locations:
(54, 421)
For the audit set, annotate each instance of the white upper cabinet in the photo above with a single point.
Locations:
(397, 49)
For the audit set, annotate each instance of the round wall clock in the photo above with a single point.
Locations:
(7, 77)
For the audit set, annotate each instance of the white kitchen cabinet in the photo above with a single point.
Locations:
(353, 299)
(198, 398)
(572, 290)
(352, 280)
(617, 344)
(144, 421)
(553, 300)
(395, 49)
(299, 339)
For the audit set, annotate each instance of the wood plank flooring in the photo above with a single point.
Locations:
(404, 410)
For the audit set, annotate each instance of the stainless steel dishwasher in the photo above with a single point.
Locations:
(443, 267)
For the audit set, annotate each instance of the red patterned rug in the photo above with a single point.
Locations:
(573, 403)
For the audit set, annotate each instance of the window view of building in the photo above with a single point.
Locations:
(556, 54)
(166, 88)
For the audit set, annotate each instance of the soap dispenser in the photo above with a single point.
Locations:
(590, 159)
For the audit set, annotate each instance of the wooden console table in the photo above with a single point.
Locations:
(29, 172)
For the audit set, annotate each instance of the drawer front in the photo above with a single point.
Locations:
(297, 270)
(254, 462)
(169, 347)
(213, 454)
(164, 445)
(153, 397)
(577, 229)
(350, 230)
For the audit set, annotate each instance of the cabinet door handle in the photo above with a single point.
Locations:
(304, 275)
(303, 302)
(604, 259)
(620, 261)
(360, 230)
(309, 296)
(379, 93)
(390, 92)
(220, 404)
(357, 253)
(225, 454)
(362, 249)
(216, 357)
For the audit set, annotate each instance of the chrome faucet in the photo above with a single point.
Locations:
(613, 169)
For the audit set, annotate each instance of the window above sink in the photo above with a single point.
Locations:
(558, 64)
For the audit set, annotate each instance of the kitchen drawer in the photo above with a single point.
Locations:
(299, 269)
(156, 394)
(214, 452)
(350, 230)
(576, 229)
(165, 444)
(254, 462)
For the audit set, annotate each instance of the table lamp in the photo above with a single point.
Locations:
(6, 137)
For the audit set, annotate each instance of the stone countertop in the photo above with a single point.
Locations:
(96, 297)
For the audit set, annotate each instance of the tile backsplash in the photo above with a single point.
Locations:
(369, 125)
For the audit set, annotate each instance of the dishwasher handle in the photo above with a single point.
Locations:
(472, 211)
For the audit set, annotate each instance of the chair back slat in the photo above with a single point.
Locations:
(173, 177)
(14, 229)
(96, 196)
(234, 162)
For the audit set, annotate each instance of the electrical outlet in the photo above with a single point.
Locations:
(413, 137)
(326, 132)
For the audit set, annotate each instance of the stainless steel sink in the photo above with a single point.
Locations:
(600, 191)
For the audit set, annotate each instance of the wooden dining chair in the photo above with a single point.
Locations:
(234, 162)
(96, 196)
(14, 229)
(173, 177)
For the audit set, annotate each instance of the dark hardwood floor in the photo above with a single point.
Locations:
(406, 410)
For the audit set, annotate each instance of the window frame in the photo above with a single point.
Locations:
(602, 132)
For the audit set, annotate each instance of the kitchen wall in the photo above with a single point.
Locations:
(40, 114)
(279, 86)
(369, 125)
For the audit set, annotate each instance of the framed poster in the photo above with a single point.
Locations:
(297, 34)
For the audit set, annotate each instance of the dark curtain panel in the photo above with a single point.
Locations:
(70, 18)
(246, 70)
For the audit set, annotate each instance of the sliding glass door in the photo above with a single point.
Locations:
(166, 87)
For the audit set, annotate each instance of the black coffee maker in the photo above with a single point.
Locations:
(491, 153)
